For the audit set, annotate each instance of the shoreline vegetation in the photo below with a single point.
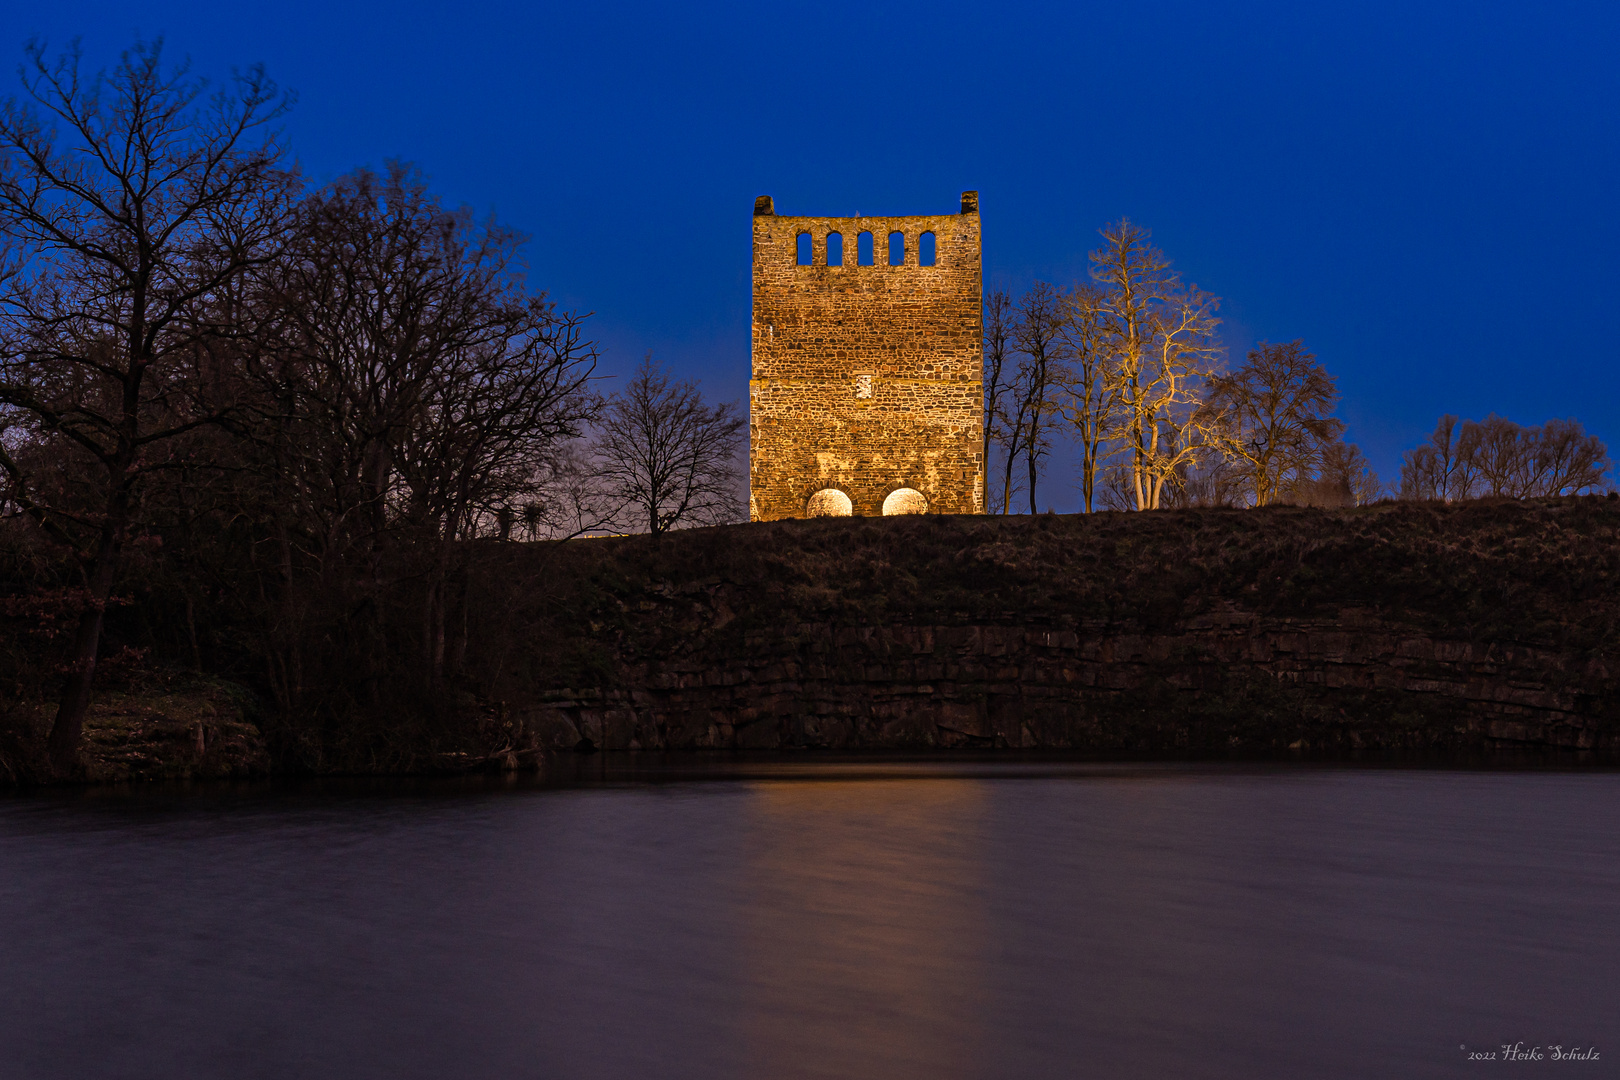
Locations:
(1425, 629)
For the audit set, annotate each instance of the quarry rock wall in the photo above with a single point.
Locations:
(1400, 625)
(1228, 679)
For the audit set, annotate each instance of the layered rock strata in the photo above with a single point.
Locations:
(1400, 626)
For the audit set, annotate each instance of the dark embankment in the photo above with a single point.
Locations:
(1396, 626)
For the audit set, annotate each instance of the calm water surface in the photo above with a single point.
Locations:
(832, 920)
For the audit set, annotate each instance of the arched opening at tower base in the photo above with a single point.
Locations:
(829, 502)
(905, 501)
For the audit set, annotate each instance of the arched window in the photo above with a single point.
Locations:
(863, 249)
(835, 249)
(829, 502)
(804, 249)
(905, 501)
(925, 249)
(897, 249)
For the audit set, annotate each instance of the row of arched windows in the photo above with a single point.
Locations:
(830, 502)
(864, 249)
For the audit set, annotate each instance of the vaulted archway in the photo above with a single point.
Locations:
(829, 502)
(905, 501)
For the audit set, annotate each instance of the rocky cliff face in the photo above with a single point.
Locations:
(1394, 626)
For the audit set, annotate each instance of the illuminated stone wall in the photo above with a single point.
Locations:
(866, 379)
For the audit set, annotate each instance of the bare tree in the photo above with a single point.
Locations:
(413, 387)
(1089, 397)
(1570, 460)
(1036, 334)
(1346, 465)
(1115, 488)
(998, 323)
(1012, 429)
(1504, 455)
(1164, 351)
(1270, 417)
(669, 458)
(1441, 468)
(568, 499)
(1517, 462)
(129, 235)
(1499, 458)
(1214, 480)
(1343, 477)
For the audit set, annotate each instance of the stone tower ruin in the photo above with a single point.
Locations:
(868, 354)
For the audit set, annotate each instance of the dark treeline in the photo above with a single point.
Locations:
(275, 414)
(1125, 372)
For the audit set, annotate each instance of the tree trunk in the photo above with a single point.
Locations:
(984, 467)
(1006, 482)
(191, 632)
(1029, 455)
(427, 633)
(290, 635)
(68, 727)
(1088, 475)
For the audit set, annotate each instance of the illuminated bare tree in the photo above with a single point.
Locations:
(134, 206)
(666, 456)
(1164, 351)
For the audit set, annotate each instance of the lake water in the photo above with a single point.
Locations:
(835, 919)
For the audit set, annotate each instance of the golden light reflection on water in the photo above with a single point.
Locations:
(865, 929)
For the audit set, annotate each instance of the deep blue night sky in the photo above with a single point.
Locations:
(1422, 192)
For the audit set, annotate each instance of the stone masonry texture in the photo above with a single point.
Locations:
(1402, 626)
(866, 379)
